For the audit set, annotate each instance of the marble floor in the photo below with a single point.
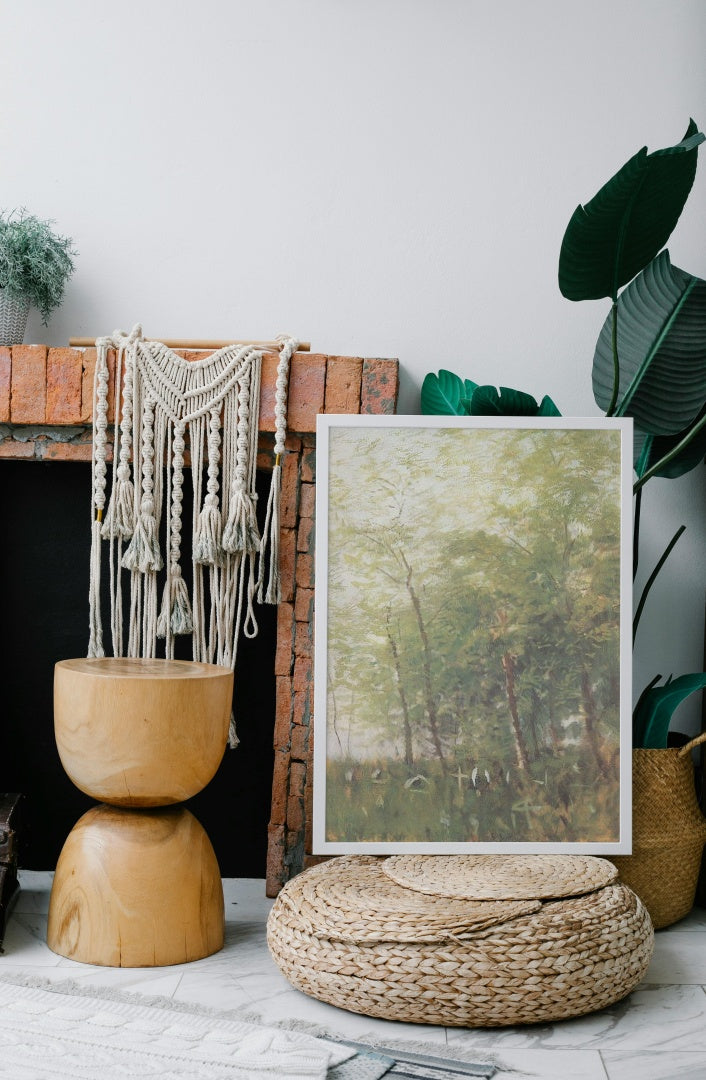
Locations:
(658, 1033)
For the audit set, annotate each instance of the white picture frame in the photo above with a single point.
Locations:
(473, 635)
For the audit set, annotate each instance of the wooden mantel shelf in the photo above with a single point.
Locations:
(42, 387)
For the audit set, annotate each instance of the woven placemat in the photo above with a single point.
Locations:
(360, 903)
(500, 877)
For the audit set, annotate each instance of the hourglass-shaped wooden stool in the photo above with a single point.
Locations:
(137, 883)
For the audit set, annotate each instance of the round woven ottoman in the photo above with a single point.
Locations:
(466, 941)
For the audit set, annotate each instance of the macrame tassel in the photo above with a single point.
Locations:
(175, 614)
(273, 593)
(120, 517)
(241, 532)
(208, 548)
(233, 740)
(143, 552)
(95, 640)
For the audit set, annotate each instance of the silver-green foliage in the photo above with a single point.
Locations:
(35, 262)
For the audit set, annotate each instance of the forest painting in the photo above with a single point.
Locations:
(469, 691)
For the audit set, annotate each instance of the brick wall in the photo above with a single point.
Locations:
(46, 399)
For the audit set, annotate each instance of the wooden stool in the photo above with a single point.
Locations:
(137, 886)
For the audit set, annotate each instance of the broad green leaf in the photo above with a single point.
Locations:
(654, 711)
(614, 236)
(489, 401)
(547, 407)
(442, 394)
(661, 350)
(648, 450)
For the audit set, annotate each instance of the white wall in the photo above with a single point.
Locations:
(382, 177)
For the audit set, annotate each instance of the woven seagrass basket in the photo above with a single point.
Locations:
(13, 318)
(347, 933)
(668, 833)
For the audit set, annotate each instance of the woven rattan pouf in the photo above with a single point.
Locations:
(376, 936)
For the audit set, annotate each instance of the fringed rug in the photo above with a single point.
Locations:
(60, 1031)
(65, 1031)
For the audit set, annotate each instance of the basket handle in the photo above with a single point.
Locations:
(690, 745)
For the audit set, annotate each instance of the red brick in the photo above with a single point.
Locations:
(284, 654)
(280, 788)
(11, 448)
(64, 378)
(380, 385)
(304, 605)
(300, 738)
(295, 816)
(283, 712)
(303, 643)
(302, 674)
(89, 368)
(306, 391)
(301, 711)
(289, 501)
(287, 562)
(307, 383)
(297, 780)
(305, 571)
(275, 860)
(305, 535)
(343, 382)
(309, 464)
(308, 806)
(53, 451)
(307, 500)
(28, 384)
(5, 374)
(292, 444)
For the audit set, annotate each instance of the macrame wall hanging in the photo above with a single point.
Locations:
(214, 403)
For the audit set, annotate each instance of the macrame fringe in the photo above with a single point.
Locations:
(241, 532)
(208, 545)
(142, 553)
(95, 640)
(273, 593)
(233, 740)
(120, 517)
(175, 615)
(161, 401)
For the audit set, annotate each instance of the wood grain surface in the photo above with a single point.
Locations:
(141, 732)
(136, 889)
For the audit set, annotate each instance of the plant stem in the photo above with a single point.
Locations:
(616, 365)
(651, 579)
(691, 433)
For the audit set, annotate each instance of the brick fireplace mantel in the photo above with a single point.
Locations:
(46, 399)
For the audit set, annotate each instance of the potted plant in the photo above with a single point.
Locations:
(649, 364)
(35, 264)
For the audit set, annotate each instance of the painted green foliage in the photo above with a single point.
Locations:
(472, 638)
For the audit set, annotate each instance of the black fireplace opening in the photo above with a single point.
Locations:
(44, 560)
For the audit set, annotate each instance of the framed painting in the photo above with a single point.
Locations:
(473, 628)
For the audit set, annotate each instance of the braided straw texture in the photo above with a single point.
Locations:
(360, 903)
(568, 958)
(501, 877)
(668, 834)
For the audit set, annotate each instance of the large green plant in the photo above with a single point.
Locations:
(35, 263)
(650, 359)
